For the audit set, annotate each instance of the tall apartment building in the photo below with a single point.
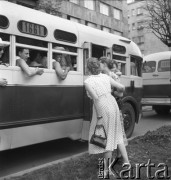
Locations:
(106, 15)
(144, 38)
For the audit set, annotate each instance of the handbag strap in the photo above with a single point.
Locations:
(98, 126)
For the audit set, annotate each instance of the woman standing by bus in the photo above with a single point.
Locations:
(98, 87)
(107, 66)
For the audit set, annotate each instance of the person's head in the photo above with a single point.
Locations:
(93, 66)
(58, 57)
(23, 53)
(104, 63)
(2, 47)
(113, 66)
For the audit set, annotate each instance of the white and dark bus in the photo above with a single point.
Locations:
(43, 108)
(157, 81)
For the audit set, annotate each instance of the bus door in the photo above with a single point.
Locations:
(87, 52)
(97, 51)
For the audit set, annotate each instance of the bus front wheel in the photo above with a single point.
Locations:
(128, 119)
(162, 109)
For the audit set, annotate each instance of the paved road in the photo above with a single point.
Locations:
(21, 159)
(150, 121)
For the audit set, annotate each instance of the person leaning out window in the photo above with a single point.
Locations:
(23, 55)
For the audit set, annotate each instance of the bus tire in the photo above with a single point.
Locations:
(162, 109)
(128, 118)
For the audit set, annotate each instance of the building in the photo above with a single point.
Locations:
(146, 40)
(106, 15)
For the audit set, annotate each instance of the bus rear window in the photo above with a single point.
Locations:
(149, 66)
(164, 65)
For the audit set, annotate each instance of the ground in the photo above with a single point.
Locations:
(153, 147)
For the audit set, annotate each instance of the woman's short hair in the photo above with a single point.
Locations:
(93, 65)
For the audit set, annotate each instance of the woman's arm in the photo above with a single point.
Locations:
(61, 73)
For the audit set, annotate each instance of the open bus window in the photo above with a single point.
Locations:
(122, 68)
(164, 65)
(136, 66)
(38, 59)
(65, 56)
(149, 66)
(4, 60)
(121, 63)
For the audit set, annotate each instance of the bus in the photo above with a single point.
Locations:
(157, 82)
(43, 108)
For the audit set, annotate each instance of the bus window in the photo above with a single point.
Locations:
(38, 59)
(149, 66)
(5, 57)
(30, 41)
(122, 68)
(121, 63)
(67, 56)
(164, 65)
(136, 66)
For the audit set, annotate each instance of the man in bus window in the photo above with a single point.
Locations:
(3, 81)
(61, 63)
(23, 55)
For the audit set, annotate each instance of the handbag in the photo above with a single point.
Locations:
(99, 137)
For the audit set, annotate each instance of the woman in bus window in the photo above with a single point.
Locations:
(98, 87)
(23, 55)
(3, 81)
(61, 63)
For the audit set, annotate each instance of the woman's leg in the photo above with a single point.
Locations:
(123, 152)
(107, 159)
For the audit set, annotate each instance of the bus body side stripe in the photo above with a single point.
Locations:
(22, 105)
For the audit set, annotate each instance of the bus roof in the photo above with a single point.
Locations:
(16, 13)
(158, 56)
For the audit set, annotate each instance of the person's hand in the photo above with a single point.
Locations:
(39, 71)
(3, 82)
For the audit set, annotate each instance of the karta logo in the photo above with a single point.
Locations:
(130, 171)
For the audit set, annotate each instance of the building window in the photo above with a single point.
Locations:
(106, 29)
(117, 13)
(91, 24)
(74, 1)
(104, 9)
(133, 26)
(118, 33)
(89, 4)
(133, 12)
(139, 11)
(140, 25)
(73, 19)
(140, 39)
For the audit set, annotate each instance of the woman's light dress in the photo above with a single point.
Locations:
(107, 107)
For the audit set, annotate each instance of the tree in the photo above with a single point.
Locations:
(50, 6)
(159, 19)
